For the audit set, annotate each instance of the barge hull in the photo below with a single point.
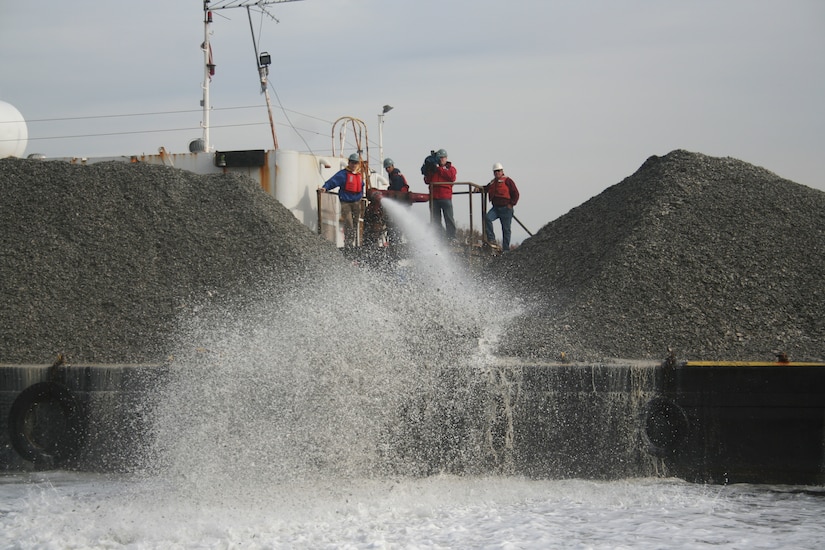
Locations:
(702, 422)
(731, 422)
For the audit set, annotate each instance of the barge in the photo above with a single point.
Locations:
(715, 422)
(708, 422)
(737, 422)
(87, 417)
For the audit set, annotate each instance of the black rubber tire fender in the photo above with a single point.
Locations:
(46, 424)
(665, 426)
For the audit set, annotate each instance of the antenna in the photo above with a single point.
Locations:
(209, 66)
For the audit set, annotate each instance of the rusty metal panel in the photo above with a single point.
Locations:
(328, 214)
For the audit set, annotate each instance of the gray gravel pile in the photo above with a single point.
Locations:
(99, 262)
(714, 258)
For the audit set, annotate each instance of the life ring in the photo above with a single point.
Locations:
(46, 425)
(665, 426)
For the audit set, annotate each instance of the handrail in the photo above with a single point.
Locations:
(475, 188)
(522, 225)
(472, 190)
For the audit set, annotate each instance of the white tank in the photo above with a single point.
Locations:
(14, 135)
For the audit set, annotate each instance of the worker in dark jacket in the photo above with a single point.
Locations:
(398, 186)
(397, 180)
(503, 195)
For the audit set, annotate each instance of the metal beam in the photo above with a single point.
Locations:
(226, 4)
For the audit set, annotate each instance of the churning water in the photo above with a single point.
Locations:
(63, 510)
(320, 416)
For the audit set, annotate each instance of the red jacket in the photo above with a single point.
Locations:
(446, 173)
(503, 192)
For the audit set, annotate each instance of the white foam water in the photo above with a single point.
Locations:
(70, 510)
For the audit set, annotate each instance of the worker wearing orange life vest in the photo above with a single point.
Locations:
(351, 184)
(504, 196)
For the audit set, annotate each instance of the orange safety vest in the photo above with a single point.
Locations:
(500, 189)
(353, 183)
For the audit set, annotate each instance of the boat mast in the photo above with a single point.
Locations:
(209, 66)
(208, 71)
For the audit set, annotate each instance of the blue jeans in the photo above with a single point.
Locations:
(505, 214)
(444, 206)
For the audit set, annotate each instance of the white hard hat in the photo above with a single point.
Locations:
(497, 166)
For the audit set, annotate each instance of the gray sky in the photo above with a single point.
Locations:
(571, 96)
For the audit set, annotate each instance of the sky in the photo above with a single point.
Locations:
(570, 96)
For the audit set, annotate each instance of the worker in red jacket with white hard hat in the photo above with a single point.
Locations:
(503, 195)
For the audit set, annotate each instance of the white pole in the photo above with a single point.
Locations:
(381, 140)
(386, 109)
(207, 19)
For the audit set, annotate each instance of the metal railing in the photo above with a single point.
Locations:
(474, 242)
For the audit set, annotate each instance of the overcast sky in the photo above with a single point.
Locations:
(571, 96)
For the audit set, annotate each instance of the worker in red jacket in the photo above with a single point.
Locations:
(503, 195)
(442, 172)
